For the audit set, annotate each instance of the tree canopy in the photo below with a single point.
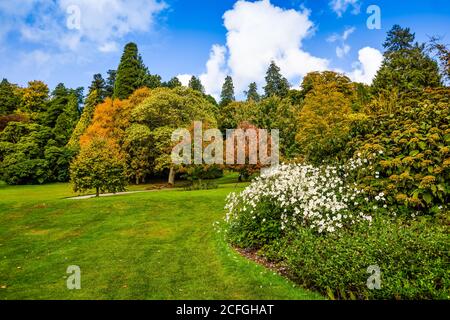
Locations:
(406, 65)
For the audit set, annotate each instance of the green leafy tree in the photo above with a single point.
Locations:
(137, 147)
(252, 92)
(323, 121)
(276, 84)
(406, 66)
(9, 98)
(280, 113)
(236, 112)
(227, 94)
(35, 97)
(131, 73)
(196, 84)
(164, 111)
(22, 148)
(99, 166)
(58, 160)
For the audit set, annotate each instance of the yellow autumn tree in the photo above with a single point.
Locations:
(323, 119)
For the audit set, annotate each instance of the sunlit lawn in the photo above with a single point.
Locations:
(154, 245)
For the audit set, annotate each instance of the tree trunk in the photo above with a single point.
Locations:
(137, 180)
(172, 176)
(97, 192)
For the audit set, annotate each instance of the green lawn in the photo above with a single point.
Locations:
(154, 245)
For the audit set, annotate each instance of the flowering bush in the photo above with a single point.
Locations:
(321, 198)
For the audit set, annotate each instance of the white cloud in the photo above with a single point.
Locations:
(370, 60)
(105, 21)
(348, 32)
(108, 47)
(102, 22)
(258, 32)
(214, 77)
(341, 6)
(343, 48)
(184, 79)
(342, 51)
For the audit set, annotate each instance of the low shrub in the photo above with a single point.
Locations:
(413, 258)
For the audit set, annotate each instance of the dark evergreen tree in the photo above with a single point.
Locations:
(398, 39)
(110, 81)
(58, 102)
(67, 120)
(98, 84)
(85, 119)
(252, 92)
(131, 73)
(173, 83)
(152, 81)
(276, 84)
(406, 66)
(227, 94)
(196, 84)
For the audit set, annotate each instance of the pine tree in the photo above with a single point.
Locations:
(110, 81)
(131, 73)
(98, 84)
(398, 38)
(252, 93)
(67, 121)
(85, 119)
(227, 94)
(196, 84)
(406, 66)
(276, 84)
(152, 81)
(58, 102)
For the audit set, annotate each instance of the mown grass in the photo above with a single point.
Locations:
(154, 245)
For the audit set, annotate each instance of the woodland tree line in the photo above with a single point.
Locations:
(119, 132)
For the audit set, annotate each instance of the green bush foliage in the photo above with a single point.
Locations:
(412, 256)
(414, 169)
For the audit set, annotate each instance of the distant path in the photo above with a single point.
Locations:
(109, 194)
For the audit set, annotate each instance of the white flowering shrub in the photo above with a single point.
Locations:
(320, 198)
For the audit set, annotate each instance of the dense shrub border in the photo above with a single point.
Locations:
(413, 257)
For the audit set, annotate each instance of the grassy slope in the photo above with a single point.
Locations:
(155, 245)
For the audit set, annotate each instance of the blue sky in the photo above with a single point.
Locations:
(205, 38)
